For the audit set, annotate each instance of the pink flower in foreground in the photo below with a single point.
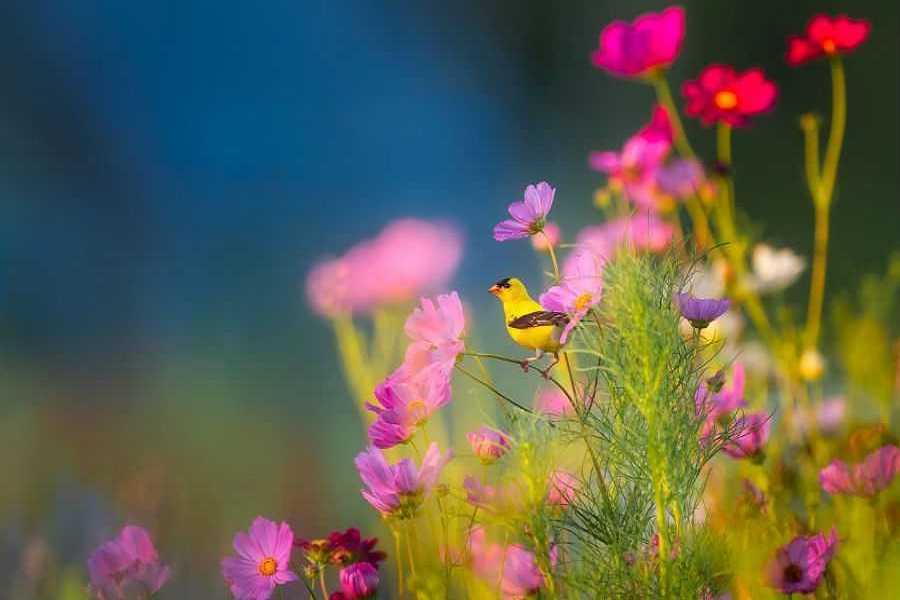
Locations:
(404, 404)
(798, 566)
(551, 237)
(867, 478)
(489, 445)
(358, 582)
(435, 331)
(528, 216)
(126, 566)
(722, 95)
(562, 488)
(641, 48)
(580, 288)
(262, 561)
(514, 567)
(751, 434)
(826, 36)
(398, 490)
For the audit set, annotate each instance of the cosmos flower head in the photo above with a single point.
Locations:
(552, 402)
(341, 548)
(641, 48)
(398, 490)
(562, 487)
(406, 403)
(435, 329)
(515, 568)
(826, 36)
(751, 432)
(579, 289)
(701, 311)
(262, 562)
(798, 566)
(358, 582)
(127, 564)
(868, 478)
(488, 444)
(529, 216)
(722, 95)
(718, 397)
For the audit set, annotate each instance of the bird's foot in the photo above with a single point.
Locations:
(525, 364)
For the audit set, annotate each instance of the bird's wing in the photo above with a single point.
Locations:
(539, 318)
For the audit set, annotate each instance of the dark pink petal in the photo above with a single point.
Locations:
(801, 50)
(755, 94)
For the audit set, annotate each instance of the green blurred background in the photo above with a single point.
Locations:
(169, 172)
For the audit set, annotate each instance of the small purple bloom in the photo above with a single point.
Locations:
(701, 311)
(751, 434)
(798, 566)
(528, 216)
(681, 178)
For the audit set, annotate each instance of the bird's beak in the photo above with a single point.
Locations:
(495, 290)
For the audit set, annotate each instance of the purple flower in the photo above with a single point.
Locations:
(641, 48)
(868, 478)
(529, 215)
(751, 434)
(701, 311)
(579, 289)
(262, 562)
(681, 178)
(489, 445)
(404, 404)
(798, 567)
(398, 490)
(358, 582)
(127, 565)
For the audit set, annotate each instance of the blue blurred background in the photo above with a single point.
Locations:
(170, 170)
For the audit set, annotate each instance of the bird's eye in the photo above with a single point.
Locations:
(503, 283)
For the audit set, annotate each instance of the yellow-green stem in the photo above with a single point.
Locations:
(401, 589)
(664, 96)
(353, 358)
(552, 253)
(322, 585)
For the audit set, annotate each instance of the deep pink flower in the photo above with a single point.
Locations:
(638, 49)
(358, 581)
(867, 478)
(714, 404)
(126, 566)
(701, 311)
(551, 237)
(528, 216)
(406, 403)
(398, 490)
(826, 36)
(579, 288)
(341, 548)
(562, 488)
(262, 561)
(798, 566)
(751, 434)
(721, 95)
(489, 445)
(515, 568)
(659, 129)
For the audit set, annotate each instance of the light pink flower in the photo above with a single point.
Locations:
(126, 566)
(489, 445)
(435, 331)
(715, 405)
(642, 231)
(751, 434)
(579, 289)
(528, 216)
(262, 562)
(514, 567)
(562, 488)
(398, 490)
(551, 237)
(406, 403)
(641, 48)
(501, 499)
(552, 402)
(867, 478)
(798, 566)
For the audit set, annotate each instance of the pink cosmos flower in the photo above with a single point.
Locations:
(579, 289)
(722, 95)
(826, 36)
(489, 445)
(642, 231)
(641, 48)
(358, 582)
(435, 331)
(551, 237)
(681, 178)
(528, 216)
(501, 499)
(262, 561)
(512, 565)
(751, 434)
(398, 490)
(715, 404)
(798, 566)
(126, 566)
(659, 129)
(406, 403)
(552, 402)
(562, 488)
(868, 478)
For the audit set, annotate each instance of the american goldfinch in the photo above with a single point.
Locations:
(527, 323)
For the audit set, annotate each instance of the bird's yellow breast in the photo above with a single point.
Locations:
(544, 338)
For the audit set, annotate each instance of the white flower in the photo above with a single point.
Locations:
(773, 269)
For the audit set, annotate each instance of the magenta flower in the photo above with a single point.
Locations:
(798, 566)
(722, 95)
(528, 216)
(562, 488)
(262, 561)
(874, 474)
(406, 403)
(127, 566)
(579, 289)
(489, 445)
(398, 490)
(641, 48)
(514, 567)
(827, 36)
(659, 129)
(751, 434)
(701, 311)
(341, 548)
(358, 582)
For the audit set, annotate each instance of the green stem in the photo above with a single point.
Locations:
(401, 589)
(410, 542)
(664, 96)
(322, 582)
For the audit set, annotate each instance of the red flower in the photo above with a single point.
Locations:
(826, 36)
(722, 95)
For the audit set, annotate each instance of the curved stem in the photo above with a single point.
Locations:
(664, 96)
(838, 126)
(513, 361)
(322, 585)
(489, 386)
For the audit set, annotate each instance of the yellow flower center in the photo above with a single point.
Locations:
(829, 46)
(268, 566)
(583, 301)
(726, 99)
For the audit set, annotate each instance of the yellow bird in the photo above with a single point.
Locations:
(527, 323)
